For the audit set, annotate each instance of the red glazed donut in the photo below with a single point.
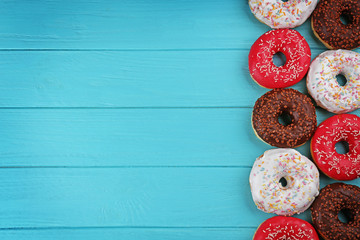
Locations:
(292, 45)
(280, 227)
(343, 127)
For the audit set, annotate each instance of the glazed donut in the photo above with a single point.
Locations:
(300, 173)
(268, 108)
(323, 86)
(292, 45)
(280, 228)
(281, 14)
(329, 29)
(332, 199)
(343, 127)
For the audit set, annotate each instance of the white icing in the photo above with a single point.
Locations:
(323, 86)
(279, 14)
(302, 182)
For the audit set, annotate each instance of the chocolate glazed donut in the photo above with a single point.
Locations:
(332, 199)
(328, 27)
(269, 107)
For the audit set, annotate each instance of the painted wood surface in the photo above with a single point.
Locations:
(129, 119)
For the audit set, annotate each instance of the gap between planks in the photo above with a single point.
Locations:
(129, 50)
(110, 108)
(128, 227)
(145, 107)
(129, 166)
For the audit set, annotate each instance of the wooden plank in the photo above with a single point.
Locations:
(130, 233)
(128, 79)
(123, 197)
(130, 137)
(131, 24)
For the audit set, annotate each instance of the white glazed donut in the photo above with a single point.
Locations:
(300, 173)
(280, 14)
(323, 86)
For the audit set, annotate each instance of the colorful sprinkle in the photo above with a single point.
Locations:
(302, 182)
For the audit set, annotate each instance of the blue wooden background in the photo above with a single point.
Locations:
(129, 119)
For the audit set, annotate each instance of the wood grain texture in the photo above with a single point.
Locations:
(123, 197)
(131, 137)
(132, 24)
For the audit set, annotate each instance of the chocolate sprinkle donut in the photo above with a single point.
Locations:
(269, 107)
(332, 199)
(330, 30)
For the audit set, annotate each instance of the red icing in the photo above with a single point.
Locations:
(292, 45)
(280, 228)
(343, 127)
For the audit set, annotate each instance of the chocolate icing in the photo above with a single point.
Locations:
(329, 28)
(324, 212)
(271, 105)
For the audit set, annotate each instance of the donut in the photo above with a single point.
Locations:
(281, 14)
(333, 199)
(328, 28)
(280, 228)
(296, 50)
(302, 182)
(322, 84)
(343, 127)
(268, 108)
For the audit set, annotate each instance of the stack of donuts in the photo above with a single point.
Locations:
(282, 180)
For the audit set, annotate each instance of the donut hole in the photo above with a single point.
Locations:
(345, 18)
(341, 80)
(283, 182)
(286, 182)
(345, 215)
(279, 59)
(285, 0)
(342, 147)
(285, 119)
